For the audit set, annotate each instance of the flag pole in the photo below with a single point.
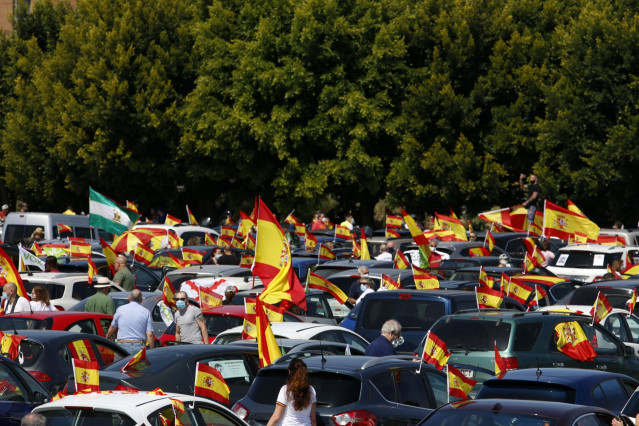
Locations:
(319, 250)
(447, 383)
(543, 226)
(594, 309)
(421, 358)
(476, 300)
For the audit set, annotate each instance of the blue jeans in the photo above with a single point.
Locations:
(532, 209)
(131, 348)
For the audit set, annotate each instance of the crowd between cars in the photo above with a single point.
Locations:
(177, 323)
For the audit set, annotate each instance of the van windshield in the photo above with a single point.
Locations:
(584, 259)
(473, 334)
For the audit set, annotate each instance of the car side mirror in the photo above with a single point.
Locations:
(39, 398)
(629, 352)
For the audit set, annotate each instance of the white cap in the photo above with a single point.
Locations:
(5, 206)
(103, 282)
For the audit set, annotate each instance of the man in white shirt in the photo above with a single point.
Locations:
(383, 253)
(11, 301)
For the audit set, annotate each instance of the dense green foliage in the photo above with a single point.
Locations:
(321, 103)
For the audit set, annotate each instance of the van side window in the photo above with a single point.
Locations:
(82, 232)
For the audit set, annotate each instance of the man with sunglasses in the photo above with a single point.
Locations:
(133, 325)
(190, 325)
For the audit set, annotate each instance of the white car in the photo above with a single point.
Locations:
(242, 278)
(130, 409)
(301, 330)
(585, 262)
(65, 289)
(625, 327)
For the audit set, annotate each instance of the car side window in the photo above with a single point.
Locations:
(212, 415)
(11, 389)
(614, 324)
(614, 393)
(108, 354)
(633, 325)
(81, 290)
(591, 420)
(411, 389)
(385, 384)
(83, 326)
(438, 385)
(331, 336)
(105, 323)
(601, 341)
(355, 342)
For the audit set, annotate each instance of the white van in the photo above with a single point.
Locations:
(585, 262)
(19, 226)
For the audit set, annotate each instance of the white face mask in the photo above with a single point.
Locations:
(398, 342)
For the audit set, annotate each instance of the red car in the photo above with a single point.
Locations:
(82, 322)
(220, 319)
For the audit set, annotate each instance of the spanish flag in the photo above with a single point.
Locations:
(82, 350)
(292, 220)
(500, 364)
(10, 344)
(273, 262)
(488, 298)
(448, 223)
(562, 223)
(435, 351)
(483, 278)
(246, 261)
(228, 231)
(86, 374)
(131, 206)
(478, 251)
(138, 363)
(425, 281)
(519, 290)
(189, 214)
(267, 347)
(541, 279)
(92, 270)
(79, 248)
(109, 254)
(572, 341)
(391, 233)
(310, 241)
(64, 228)
(529, 263)
(209, 298)
(393, 221)
(35, 247)
(320, 283)
(9, 272)
(342, 232)
(366, 255)
(192, 256)
(300, 229)
(632, 302)
(530, 244)
(209, 240)
(401, 262)
(390, 284)
(143, 254)
(168, 293)
(172, 220)
(246, 224)
(459, 385)
(326, 253)
(178, 406)
(601, 309)
(489, 242)
(419, 237)
(273, 313)
(210, 383)
(573, 208)
(357, 249)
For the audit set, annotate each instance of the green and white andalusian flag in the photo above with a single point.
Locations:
(104, 213)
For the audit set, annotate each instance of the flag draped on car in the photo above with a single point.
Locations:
(106, 214)
(210, 383)
(572, 341)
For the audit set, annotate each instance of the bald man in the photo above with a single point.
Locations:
(133, 325)
(123, 276)
(12, 301)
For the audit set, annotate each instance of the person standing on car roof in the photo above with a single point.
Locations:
(534, 193)
(390, 338)
(123, 276)
(190, 325)
(101, 302)
(132, 325)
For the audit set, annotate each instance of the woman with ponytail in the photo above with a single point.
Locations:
(296, 401)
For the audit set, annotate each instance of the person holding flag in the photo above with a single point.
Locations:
(296, 400)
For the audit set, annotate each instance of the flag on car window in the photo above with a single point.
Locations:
(483, 278)
(209, 298)
(489, 242)
(572, 341)
(539, 294)
(104, 213)
(171, 220)
(601, 309)
(82, 350)
(400, 261)
(500, 364)
(518, 290)
(109, 254)
(632, 302)
(310, 241)
(178, 406)
(342, 232)
(64, 228)
(393, 221)
(79, 248)
(228, 231)
(210, 383)
(86, 375)
(189, 214)
(447, 223)
(209, 239)
(320, 283)
(459, 385)
(174, 262)
(246, 261)
(478, 251)
(249, 330)
(267, 347)
(326, 253)
(191, 256)
(488, 298)
(425, 281)
(389, 284)
(391, 233)
(435, 351)
(137, 363)
(9, 344)
(365, 254)
(357, 249)
(168, 293)
(529, 263)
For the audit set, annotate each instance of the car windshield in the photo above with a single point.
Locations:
(85, 417)
(412, 313)
(587, 295)
(584, 259)
(332, 389)
(477, 417)
(527, 390)
(471, 334)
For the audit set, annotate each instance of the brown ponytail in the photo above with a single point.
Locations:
(298, 389)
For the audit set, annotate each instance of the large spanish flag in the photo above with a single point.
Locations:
(267, 347)
(488, 298)
(572, 341)
(447, 223)
(435, 351)
(273, 262)
(320, 283)
(82, 350)
(563, 223)
(86, 374)
(9, 272)
(365, 254)
(459, 385)
(210, 383)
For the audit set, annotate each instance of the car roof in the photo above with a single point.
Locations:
(571, 377)
(347, 363)
(533, 315)
(292, 328)
(599, 248)
(205, 269)
(555, 409)
(47, 314)
(48, 335)
(629, 283)
(396, 294)
(353, 263)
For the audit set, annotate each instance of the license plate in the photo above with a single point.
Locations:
(467, 373)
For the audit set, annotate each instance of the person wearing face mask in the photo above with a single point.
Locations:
(534, 192)
(358, 287)
(348, 222)
(190, 325)
(132, 325)
(12, 301)
(368, 288)
(390, 338)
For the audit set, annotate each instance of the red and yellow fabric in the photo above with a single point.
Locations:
(541, 279)
(143, 254)
(425, 281)
(10, 344)
(267, 347)
(64, 228)
(128, 241)
(357, 249)
(9, 272)
(459, 385)
(538, 258)
(246, 261)
(320, 283)
(131, 206)
(488, 298)
(400, 261)
(447, 223)
(228, 231)
(273, 313)
(58, 395)
(519, 291)
(310, 241)
(391, 233)
(109, 254)
(580, 238)
(189, 214)
(529, 263)
(273, 262)
(249, 242)
(611, 240)
(393, 221)
(478, 251)
(562, 223)
(209, 298)
(168, 293)
(343, 232)
(500, 364)
(191, 256)
(540, 293)
(174, 262)
(418, 236)
(483, 277)
(326, 253)
(292, 220)
(632, 302)
(35, 247)
(87, 376)
(489, 242)
(572, 341)
(92, 270)
(210, 240)
(366, 255)
(140, 362)
(209, 383)
(172, 220)
(300, 229)
(573, 208)
(530, 245)
(389, 284)
(435, 351)
(82, 350)
(601, 309)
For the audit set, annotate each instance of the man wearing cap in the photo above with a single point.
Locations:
(229, 294)
(100, 302)
(4, 212)
(133, 325)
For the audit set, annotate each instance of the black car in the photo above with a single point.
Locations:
(19, 392)
(172, 369)
(384, 390)
(47, 354)
(618, 293)
(146, 279)
(492, 412)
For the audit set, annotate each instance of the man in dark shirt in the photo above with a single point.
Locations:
(534, 193)
(228, 258)
(358, 286)
(383, 345)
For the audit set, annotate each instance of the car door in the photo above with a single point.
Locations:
(610, 351)
(238, 370)
(413, 396)
(15, 398)
(108, 353)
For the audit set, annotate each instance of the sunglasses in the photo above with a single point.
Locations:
(180, 298)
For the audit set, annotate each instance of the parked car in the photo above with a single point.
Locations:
(353, 390)
(21, 393)
(77, 322)
(178, 276)
(293, 330)
(146, 279)
(172, 369)
(571, 385)
(333, 266)
(305, 348)
(65, 289)
(447, 267)
(131, 409)
(585, 262)
(47, 354)
(184, 231)
(517, 412)
(18, 226)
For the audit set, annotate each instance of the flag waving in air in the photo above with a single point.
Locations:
(400, 261)
(267, 347)
(192, 220)
(459, 385)
(138, 362)
(632, 302)
(419, 238)
(168, 293)
(106, 214)
(210, 383)
(601, 309)
(320, 283)
(435, 351)
(572, 341)
(500, 364)
(9, 272)
(273, 262)
(443, 222)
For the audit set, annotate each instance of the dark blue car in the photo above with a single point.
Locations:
(19, 392)
(572, 385)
